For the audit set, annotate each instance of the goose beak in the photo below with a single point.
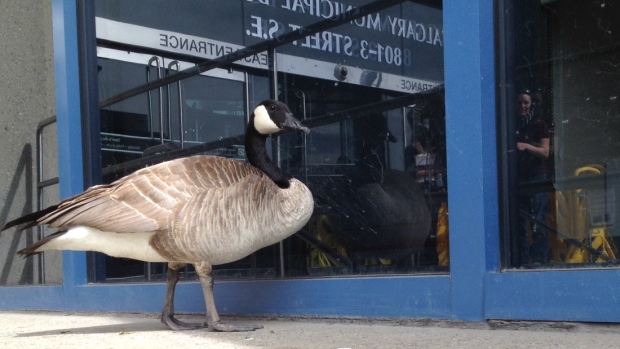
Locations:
(291, 123)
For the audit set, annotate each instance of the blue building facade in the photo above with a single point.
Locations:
(476, 80)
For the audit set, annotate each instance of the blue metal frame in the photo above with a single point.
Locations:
(471, 148)
(419, 297)
(569, 295)
(475, 290)
(69, 126)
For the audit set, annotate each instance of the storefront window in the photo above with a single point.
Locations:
(560, 133)
(369, 88)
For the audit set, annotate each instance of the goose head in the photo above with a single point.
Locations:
(269, 117)
(272, 116)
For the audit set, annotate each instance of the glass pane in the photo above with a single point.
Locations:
(377, 181)
(561, 133)
(378, 178)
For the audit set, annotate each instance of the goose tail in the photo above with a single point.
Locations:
(32, 219)
(36, 248)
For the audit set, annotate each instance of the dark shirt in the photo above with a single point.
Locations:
(531, 131)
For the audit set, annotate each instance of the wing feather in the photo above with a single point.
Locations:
(144, 200)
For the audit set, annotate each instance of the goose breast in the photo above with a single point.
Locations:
(225, 224)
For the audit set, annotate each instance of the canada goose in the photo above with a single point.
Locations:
(203, 210)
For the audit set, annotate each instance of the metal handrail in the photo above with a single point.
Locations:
(41, 184)
(180, 97)
(150, 99)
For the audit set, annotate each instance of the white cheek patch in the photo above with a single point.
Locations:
(262, 121)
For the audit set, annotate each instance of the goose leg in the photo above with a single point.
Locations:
(203, 270)
(167, 312)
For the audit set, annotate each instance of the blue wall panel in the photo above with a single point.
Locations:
(570, 295)
(69, 126)
(412, 297)
(32, 298)
(470, 134)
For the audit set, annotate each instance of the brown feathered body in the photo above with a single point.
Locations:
(185, 210)
(203, 210)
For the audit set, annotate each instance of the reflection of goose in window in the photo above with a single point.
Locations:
(378, 211)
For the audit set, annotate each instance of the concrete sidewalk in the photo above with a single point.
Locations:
(112, 330)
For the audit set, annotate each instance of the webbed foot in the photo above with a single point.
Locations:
(220, 327)
(178, 325)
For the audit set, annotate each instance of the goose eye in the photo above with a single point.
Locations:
(272, 107)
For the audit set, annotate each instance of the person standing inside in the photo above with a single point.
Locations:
(533, 145)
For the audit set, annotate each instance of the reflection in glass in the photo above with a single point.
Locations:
(378, 178)
(375, 210)
(532, 166)
(561, 162)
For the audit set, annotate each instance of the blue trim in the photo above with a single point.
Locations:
(68, 114)
(32, 297)
(471, 138)
(575, 295)
(67, 97)
(419, 297)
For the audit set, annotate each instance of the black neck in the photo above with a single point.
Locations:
(256, 152)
